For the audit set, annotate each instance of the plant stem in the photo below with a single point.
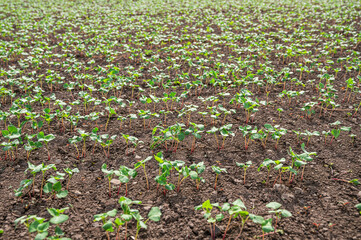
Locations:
(146, 178)
(225, 232)
(215, 184)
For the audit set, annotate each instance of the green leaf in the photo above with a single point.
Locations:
(58, 231)
(62, 194)
(256, 219)
(274, 205)
(127, 217)
(48, 187)
(155, 214)
(142, 225)
(285, 213)
(267, 226)
(43, 227)
(59, 219)
(207, 205)
(239, 203)
(169, 187)
(108, 226)
(41, 236)
(112, 213)
(219, 217)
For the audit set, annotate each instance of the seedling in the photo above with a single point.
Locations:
(278, 212)
(46, 139)
(217, 170)
(109, 174)
(54, 186)
(154, 215)
(245, 166)
(142, 163)
(125, 174)
(108, 225)
(70, 173)
(266, 224)
(195, 130)
(74, 140)
(237, 210)
(207, 208)
(196, 170)
(267, 163)
(225, 132)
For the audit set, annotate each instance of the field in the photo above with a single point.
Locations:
(179, 119)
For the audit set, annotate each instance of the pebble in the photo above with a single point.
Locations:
(287, 197)
(280, 187)
(115, 181)
(298, 190)
(137, 157)
(77, 192)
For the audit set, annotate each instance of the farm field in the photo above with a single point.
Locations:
(179, 119)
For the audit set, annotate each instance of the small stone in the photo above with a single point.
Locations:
(287, 197)
(280, 187)
(57, 161)
(77, 192)
(115, 181)
(298, 190)
(137, 157)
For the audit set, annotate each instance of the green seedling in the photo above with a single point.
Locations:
(245, 166)
(279, 213)
(84, 136)
(125, 174)
(207, 208)
(108, 225)
(196, 170)
(70, 173)
(109, 174)
(154, 215)
(46, 139)
(142, 164)
(266, 224)
(74, 140)
(217, 170)
(54, 186)
(237, 210)
(31, 145)
(267, 163)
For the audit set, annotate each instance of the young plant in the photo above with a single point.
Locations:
(196, 170)
(217, 170)
(225, 132)
(195, 130)
(84, 136)
(46, 139)
(237, 210)
(267, 163)
(142, 164)
(54, 186)
(109, 174)
(70, 173)
(74, 140)
(279, 213)
(245, 166)
(125, 174)
(207, 208)
(266, 224)
(108, 225)
(154, 215)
